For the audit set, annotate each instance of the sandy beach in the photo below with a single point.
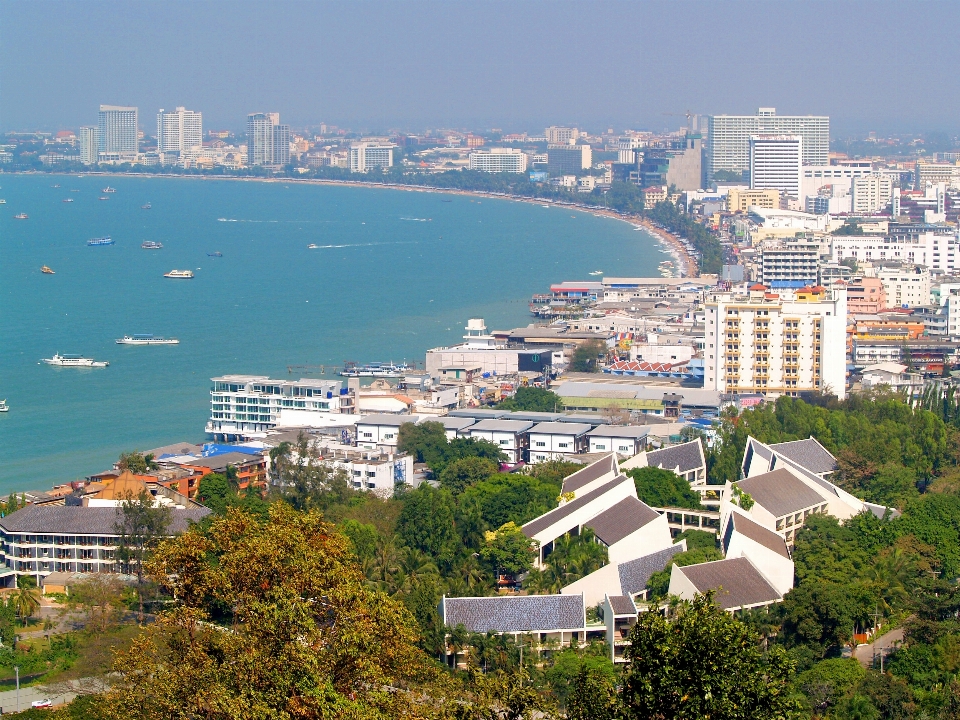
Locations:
(686, 265)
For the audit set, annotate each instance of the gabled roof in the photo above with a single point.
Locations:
(686, 456)
(635, 574)
(623, 519)
(756, 532)
(780, 492)
(557, 514)
(622, 605)
(808, 453)
(515, 613)
(591, 472)
(736, 581)
(79, 520)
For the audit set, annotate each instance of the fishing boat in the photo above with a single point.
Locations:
(146, 207)
(70, 360)
(375, 369)
(109, 189)
(3, 406)
(179, 274)
(217, 253)
(100, 241)
(47, 271)
(146, 340)
(20, 216)
(151, 245)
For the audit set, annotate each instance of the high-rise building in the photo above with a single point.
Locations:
(365, 156)
(870, 193)
(776, 163)
(89, 144)
(792, 265)
(568, 159)
(728, 138)
(268, 142)
(677, 164)
(118, 130)
(179, 130)
(499, 160)
(777, 343)
(561, 135)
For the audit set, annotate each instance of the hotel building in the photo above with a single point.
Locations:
(268, 142)
(179, 130)
(776, 163)
(118, 130)
(499, 160)
(89, 145)
(368, 155)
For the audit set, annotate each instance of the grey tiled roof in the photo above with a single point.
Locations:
(759, 534)
(515, 613)
(737, 582)
(635, 574)
(622, 605)
(557, 514)
(808, 453)
(686, 456)
(591, 472)
(626, 517)
(79, 520)
(780, 492)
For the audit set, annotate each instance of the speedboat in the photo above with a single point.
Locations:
(151, 245)
(20, 216)
(3, 406)
(146, 340)
(2, 201)
(47, 271)
(68, 200)
(77, 361)
(108, 189)
(597, 272)
(104, 197)
(312, 246)
(179, 274)
(145, 207)
(100, 241)
(215, 254)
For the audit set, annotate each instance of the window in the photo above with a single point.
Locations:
(563, 445)
(540, 443)
(624, 448)
(504, 442)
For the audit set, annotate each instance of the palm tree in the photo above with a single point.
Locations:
(26, 601)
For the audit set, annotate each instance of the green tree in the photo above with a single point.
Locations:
(508, 550)
(101, 598)
(512, 497)
(827, 682)
(461, 474)
(593, 693)
(141, 523)
(532, 399)
(585, 357)
(426, 523)
(216, 492)
(304, 480)
(26, 600)
(136, 462)
(662, 488)
(703, 663)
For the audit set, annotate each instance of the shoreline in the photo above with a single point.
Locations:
(671, 243)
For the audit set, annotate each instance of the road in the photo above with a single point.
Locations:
(881, 645)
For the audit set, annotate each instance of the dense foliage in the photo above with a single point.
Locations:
(532, 399)
(662, 488)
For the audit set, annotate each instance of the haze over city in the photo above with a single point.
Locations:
(878, 65)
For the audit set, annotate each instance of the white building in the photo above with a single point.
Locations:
(625, 440)
(937, 251)
(482, 350)
(179, 130)
(837, 177)
(243, 407)
(365, 156)
(561, 135)
(499, 160)
(381, 431)
(870, 193)
(777, 343)
(554, 440)
(905, 285)
(268, 142)
(89, 145)
(118, 130)
(509, 435)
(775, 163)
(793, 265)
(728, 138)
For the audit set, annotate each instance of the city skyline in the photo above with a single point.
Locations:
(429, 65)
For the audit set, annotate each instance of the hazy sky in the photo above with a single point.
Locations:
(870, 65)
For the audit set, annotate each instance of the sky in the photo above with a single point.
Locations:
(518, 65)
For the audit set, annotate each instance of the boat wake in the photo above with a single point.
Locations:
(298, 222)
(417, 219)
(353, 245)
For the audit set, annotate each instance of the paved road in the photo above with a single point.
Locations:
(58, 693)
(883, 644)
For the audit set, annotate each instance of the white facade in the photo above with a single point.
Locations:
(936, 251)
(268, 142)
(838, 177)
(179, 130)
(795, 265)
(89, 145)
(776, 343)
(775, 163)
(728, 138)
(870, 193)
(553, 440)
(561, 135)
(499, 160)
(381, 431)
(118, 130)
(509, 435)
(624, 440)
(905, 286)
(366, 156)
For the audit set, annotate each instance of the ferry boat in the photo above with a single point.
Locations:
(20, 216)
(3, 406)
(146, 340)
(151, 245)
(100, 241)
(47, 271)
(67, 200)
(215, 254)
(108, 189)
(74, 361)
(179, 274)
(375, 369)
(146, 207)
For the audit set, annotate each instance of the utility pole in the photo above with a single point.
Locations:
(17, 670)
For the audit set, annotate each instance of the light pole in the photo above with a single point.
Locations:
(17, 670)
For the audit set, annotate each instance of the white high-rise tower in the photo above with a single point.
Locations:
(179, 130)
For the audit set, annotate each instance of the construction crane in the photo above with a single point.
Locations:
(686, 114)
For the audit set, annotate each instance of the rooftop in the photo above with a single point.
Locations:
(759, 534)
(623, 519)
(682, 458)
(736, 581)
(515, 613)
(593, 471)
(809, 454)
(635, 574)
(557, 514)
(509, 426)
(561, 428)
(79, 520)
(780, 492)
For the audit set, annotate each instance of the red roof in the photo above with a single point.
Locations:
(758, 286)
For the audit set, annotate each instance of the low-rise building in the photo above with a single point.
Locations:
(554, 440)
(624, 440)
(511, 436)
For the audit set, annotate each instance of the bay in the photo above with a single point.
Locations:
(395, 273)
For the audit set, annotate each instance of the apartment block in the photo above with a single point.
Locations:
(268, 142)
(938, 251)
(777, 343)
(795, 265)
(179, 130)
(741, 199)
(117, 130)
(905, 285)
(561, 135)
(366, 156)
(776, 163)
(499, 160)
(870, 193)
(89, 145)
(568, 159)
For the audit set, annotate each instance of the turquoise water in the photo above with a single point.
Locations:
(397, 272)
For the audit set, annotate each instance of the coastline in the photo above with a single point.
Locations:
(686, 265)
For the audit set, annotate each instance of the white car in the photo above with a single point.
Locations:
(41, 703)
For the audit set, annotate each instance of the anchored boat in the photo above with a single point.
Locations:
(151, 245)
(100, 241)
(77, 361)
(179, 274)
(146, 340)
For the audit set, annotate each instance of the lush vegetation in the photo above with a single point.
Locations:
(662, 488)
(532, 399)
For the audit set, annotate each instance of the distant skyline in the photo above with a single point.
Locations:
(517, 66)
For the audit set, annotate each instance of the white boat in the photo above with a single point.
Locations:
(312, 246)
(109, 189)
(597, 272)
(3, 406)
(146, 340)
(2, 201)
(179, 274)
(74, 361)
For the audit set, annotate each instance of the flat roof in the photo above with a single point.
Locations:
(511, 426)
(391, 420)
(624, 431)
(561, 428)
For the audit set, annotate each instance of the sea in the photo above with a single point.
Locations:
(393, 273)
